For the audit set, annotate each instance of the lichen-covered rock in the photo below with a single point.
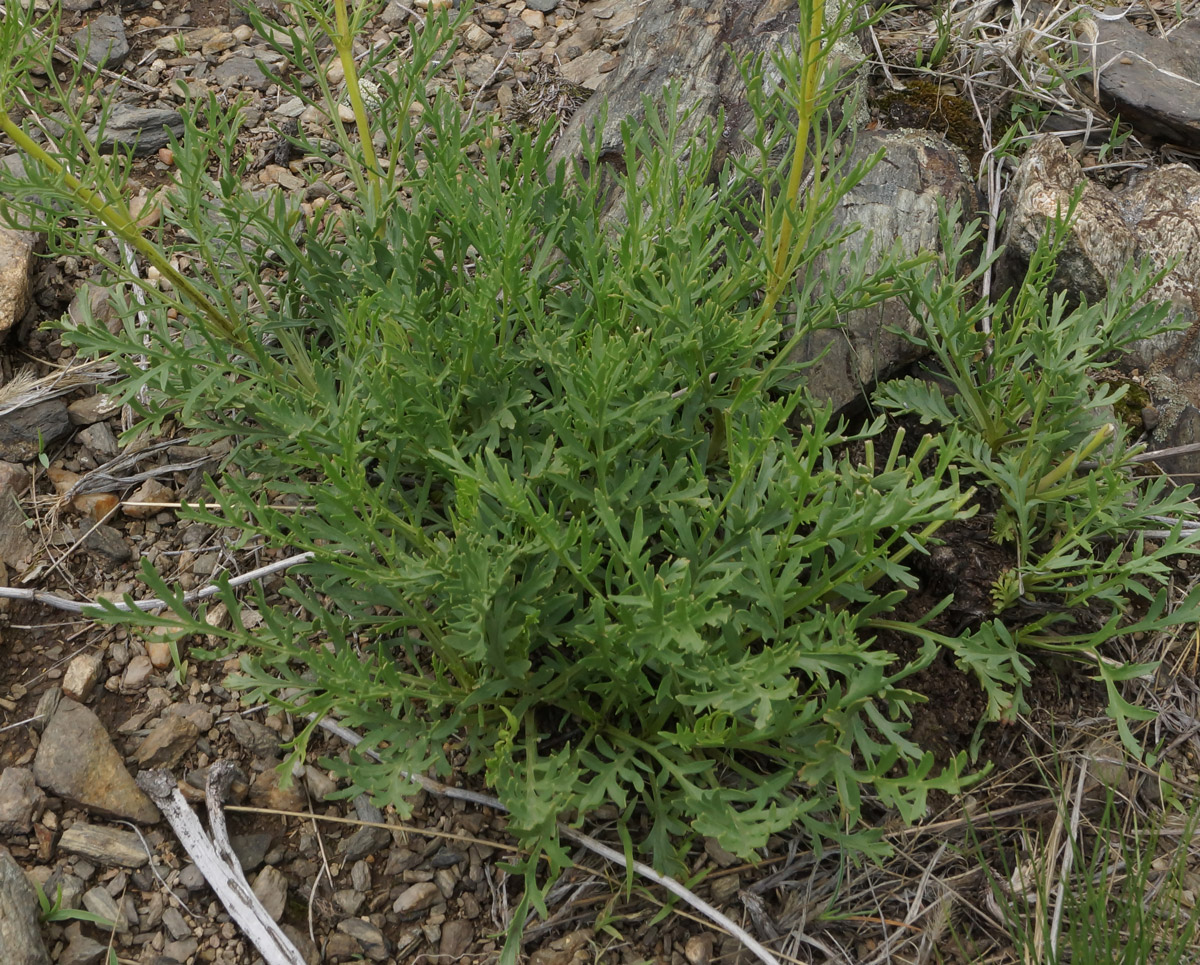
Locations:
(1100, 243)
(20, 938)
(701, 47)
(897, 201)
(1157, 218)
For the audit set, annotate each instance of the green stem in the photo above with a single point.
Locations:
(119, 223)
(1095, 441)
(814, 60)
(343, 43)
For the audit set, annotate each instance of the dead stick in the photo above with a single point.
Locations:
(216, 789)
(227, 882)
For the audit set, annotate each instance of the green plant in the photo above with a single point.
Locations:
(558, 516)
(53, 911)
(942, 46)
(1036, 430)
(572, 525)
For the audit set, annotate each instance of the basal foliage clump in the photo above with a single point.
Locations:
(571, 523)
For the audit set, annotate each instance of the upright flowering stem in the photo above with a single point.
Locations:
(343, 43)
(812, 27)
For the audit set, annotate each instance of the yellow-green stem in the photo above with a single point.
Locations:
(343, 43)
(1095, 441)
(119, 222)
(813, 61)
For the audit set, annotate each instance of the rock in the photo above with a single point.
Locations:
(457, 936)
(896, 201)
(265, 792)
(93, 408)
(17, 251)
(143, 127)
(16, 546)
(167, 742)
(340, 947)
(365, 841)
(721, 857)
(21, 800)
(481, 69)
(1149, 81)
(200, 715)
(240, 72)
(304, 944)
(192, 878)
(96, 505)
(1162, 209)
(80, 5)
(699, 949)
(198, 779)
(20, 938)
(180, 951)
(77, 761)
(103, 42)
(159, 652)
(543, 6)
(701, 46)
(1181, 427)
(368, 936)
(270, 886)
(82, 950)
(173, 919)
(14, 479)
(108, 542)
(67, 889)
(250, 849)
(416, 898)
(82, 675)
(561, 951)
(92, 304)
(349, 900)
(1156, 217)
(100, 439)
(107, 846)
(100, 902)
(218, 43)
(585, 71)
(520, 34)
(1099, 244)
(258, 739)
(394, 14)
(319, 784)
(137, 674)
(476, 38)
(47, 707)
(27, 431)
(723, 889)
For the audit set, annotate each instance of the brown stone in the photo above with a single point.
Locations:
(167, 742)
(76, 760)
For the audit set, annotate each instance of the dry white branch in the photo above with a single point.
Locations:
(225, 878)
(216, 790)
(212, 589)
